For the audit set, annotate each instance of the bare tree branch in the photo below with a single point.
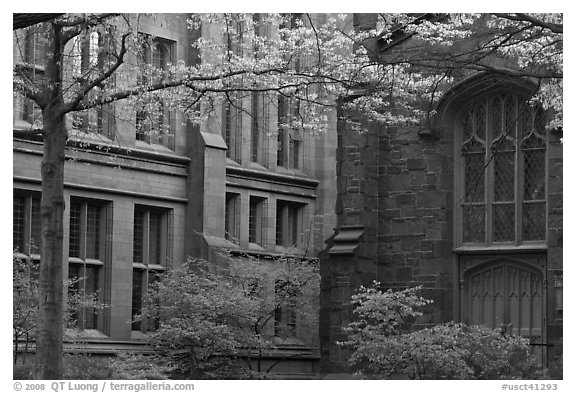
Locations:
(21, 21)
(96, 82)
(88, 21)
(520, 17)
(27, 132)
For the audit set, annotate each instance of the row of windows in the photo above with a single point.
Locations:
(289, 220)
(154, 121)
(90, 229)
(288, 137)
(257, 106)
(88, 56)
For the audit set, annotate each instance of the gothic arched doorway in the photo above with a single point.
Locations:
(505, 293)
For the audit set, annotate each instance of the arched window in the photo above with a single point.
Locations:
(501, 164)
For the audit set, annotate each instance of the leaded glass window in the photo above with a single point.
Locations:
(232, 125)
(26, 223)
(257, 220)
(154, 119)
(152, 253)
(259, 128)
(289, 139)
(90, 225)
(503, 172)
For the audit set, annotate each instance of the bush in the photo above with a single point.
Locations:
(457, 351)
(86, 366)
(381, 349)
(139, 366)
(22, 371)
(215, 320)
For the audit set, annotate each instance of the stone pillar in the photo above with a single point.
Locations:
(349, 260)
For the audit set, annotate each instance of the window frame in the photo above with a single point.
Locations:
(30, 214)
(259, 128)
(85, 261)
(289, 223)
(286, 311)
(89, 56)
(146, 268)
(232, 125)
(154, 130)
(232, 217)
(289, 140)
(490, 140)
(257, 216)
(26, 111)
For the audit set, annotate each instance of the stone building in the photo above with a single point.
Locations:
(468, 206)
(139, 200)
(413, 206)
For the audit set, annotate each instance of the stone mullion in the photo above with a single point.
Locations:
(519, 182)
(489, 185)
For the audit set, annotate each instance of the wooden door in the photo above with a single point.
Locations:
(506, 295)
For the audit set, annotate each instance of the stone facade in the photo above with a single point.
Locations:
(131, 180)
(398, 224)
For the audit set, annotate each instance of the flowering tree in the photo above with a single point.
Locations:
(25, 301)
(214, 319)
(312, 60)
(383, 346)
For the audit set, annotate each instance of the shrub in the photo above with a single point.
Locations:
(22, 371)
(215, 320)
(139, 366)
(382, 349)
(86, 366)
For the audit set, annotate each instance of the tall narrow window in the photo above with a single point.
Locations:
(35, 46)
(232, 217)
(533, 149)
(281, 129)
(289, 138)
(255, 129)
(257, 220)
(87, 256)
(26, 224)
(32, 57)
(286, 295)
(232, 126)
(289, 223)
(235, 35)
(89, 57)
(234, 107)
(294, 161)
(152, 251)
(155, 119)
(259, 128)
(503, 156)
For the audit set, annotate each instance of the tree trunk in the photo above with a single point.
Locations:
(48, 362)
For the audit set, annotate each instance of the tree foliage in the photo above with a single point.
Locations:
(383, 346)
(25, 305)
(314, 59)
(216, 322)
